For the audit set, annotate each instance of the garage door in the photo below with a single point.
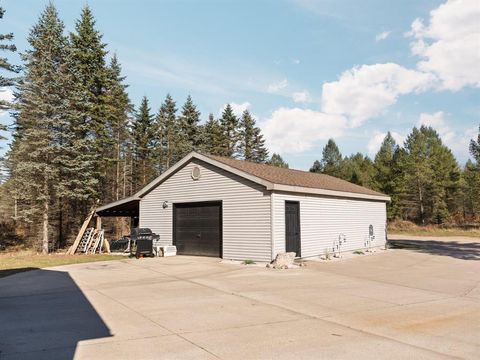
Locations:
(197, 228)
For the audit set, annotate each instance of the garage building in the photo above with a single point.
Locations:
(215, 206)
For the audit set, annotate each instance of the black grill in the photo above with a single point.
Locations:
(143, 238)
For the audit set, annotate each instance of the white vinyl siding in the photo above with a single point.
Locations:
(323, 219)
(246, 209)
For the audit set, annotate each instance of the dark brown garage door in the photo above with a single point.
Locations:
(197, 228)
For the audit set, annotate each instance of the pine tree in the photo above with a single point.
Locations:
(6, 45)
(475, 149)
(190, 131)
(358, 169)
(260, 151)
(246, 136)
(331, 159)
(385, 173)
(471, 192)
(43, 155)
(170, 150)
(251, 144)
(276, 160)
(230, 124)
(88, 54)
(316, 167)
(213, 137)
(143, 132)
(118, 110)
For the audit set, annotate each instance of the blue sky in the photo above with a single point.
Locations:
(308, 70)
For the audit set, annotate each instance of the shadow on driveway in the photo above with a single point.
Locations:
(458, 250)
(44, 315)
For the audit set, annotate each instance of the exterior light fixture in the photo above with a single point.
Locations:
(165, 205)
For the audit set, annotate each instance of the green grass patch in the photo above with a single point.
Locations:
(409, 228)
(359, 252)
(248, 262)
(15, 262)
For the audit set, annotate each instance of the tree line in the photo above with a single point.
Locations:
(78, 139)
(422, 177)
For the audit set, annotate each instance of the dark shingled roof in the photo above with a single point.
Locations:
(293, 177)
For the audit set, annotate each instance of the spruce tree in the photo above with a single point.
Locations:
(213, 137)
(118, 110)
(260, 151)
(385, 173)
(170, 150)
(277, 160)
(143, 132)
(316, 167)
(475, 149)
(88, 55)
(6, 66)
(43, 155)
(331, 159)
(471, 192)
(251, 144)
(189, 128)
(246, 136)
(230, 124)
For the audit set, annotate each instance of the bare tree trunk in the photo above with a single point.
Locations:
(45, 227)
(117, 179)
(422, 211)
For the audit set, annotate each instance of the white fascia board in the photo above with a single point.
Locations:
(345, 194)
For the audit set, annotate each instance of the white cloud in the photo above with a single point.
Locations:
(365, 91)
(301, 96)
(275, 87)
(6, 94)
(382, 36)
(377, 139)
(457, 141)
(294, 130)
(296, 61)
(437, 121)
(238, 109)
(449, 44)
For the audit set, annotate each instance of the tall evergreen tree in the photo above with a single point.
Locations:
(190, 131)
(118, 111)
(88, 54)
(331, 159)
(143, 132)
(246, 136)
(260, 151)
(6, 81)
(170, 150)
(277, 160)
(44, 156)
(475, 149)
(251, 144)
(429, 177)
(213, 137)
(385, 172)
(230, 125)
(471, 192)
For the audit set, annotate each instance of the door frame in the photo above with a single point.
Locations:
(299, 226)
(174, 217)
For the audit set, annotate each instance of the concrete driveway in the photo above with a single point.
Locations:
(394, 304)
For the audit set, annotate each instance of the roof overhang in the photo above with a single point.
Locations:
(128, 207)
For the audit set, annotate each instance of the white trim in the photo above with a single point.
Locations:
(317, 191)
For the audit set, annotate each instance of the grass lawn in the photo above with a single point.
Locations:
(14, 262)
(437, 232)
